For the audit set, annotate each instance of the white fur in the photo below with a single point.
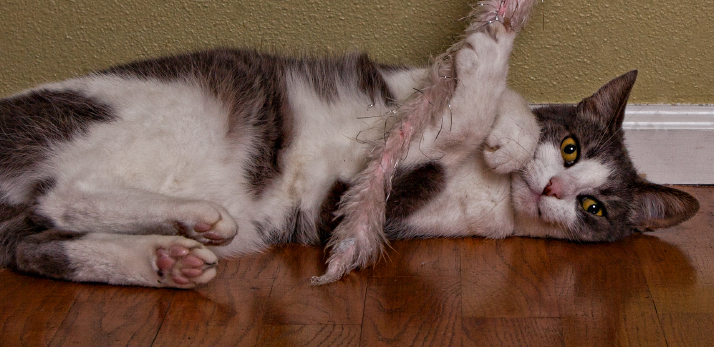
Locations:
(476, 201)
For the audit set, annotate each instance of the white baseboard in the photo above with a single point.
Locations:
(672, 144)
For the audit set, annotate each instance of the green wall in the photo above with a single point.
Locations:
(569, 49)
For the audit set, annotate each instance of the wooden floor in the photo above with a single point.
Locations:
(649, 290)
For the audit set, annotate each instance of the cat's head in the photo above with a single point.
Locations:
(581, 183)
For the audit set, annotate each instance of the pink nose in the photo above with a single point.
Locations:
(554, 188)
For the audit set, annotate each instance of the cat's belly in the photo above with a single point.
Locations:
(474, 202)
(168, 138)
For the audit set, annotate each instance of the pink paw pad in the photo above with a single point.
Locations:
(209, 228)
(178, 264)
(206, 230)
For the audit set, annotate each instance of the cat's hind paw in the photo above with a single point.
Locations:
(184, 263)
(206, 223)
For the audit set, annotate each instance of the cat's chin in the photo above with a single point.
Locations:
(526, 200)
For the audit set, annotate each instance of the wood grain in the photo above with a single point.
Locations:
(536, 332)
(654, 289)
(412, 311)
(32, 309)
(113, 316)
(686, 329)
(310, 335)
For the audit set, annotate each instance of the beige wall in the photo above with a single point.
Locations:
(569, 49)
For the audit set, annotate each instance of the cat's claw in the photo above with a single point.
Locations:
(184, 264)
(207, 223)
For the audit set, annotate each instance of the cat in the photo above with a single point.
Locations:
(147, 173)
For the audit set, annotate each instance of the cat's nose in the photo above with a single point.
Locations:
(554, 188)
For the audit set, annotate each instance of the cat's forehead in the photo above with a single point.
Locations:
(568, 120)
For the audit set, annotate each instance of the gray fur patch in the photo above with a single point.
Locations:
(27, 246)
(44, 254)
(413, 188)
(31, 123)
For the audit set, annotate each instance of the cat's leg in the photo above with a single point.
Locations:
(514, 137)
(134, 211)
(144, 260)
(481, 72)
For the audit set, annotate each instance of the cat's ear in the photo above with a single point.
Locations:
(656, 206)
(608, 104)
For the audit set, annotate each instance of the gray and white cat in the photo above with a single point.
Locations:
(147, 173)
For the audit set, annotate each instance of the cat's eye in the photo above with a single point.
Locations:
(592, 206)
(569, 149)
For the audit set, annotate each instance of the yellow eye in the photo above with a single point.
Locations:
(569, 151)
(591, 206)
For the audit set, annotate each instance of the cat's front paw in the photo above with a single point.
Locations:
(184, 263)
(207, 223)
(514, 136)
(504, 154)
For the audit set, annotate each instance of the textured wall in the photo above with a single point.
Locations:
(569, 49)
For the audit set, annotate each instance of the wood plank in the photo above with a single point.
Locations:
(432, 257)
(310, 335)
(301, 304)
(226, 312)
(106, 315)
(601, 279)
(261, 267)
(298, 263)
(508, 278)
(635, 324)
(525, 332)
(677, 299)
(548, 278)
(678, 263)
(32, 309)
(412, 311)
(685, 329)
(293, 301)
(648, 290)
